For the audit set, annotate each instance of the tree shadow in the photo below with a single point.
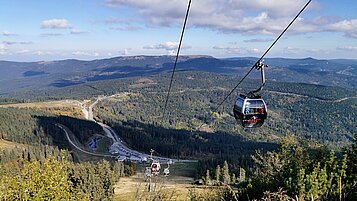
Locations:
(82, 129)
(186, 144)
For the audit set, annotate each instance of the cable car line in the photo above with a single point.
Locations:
(243, 114)
(261, 58)
(176, 59)
(251, 95)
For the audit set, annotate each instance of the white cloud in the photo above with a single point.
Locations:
(8, 33)
(253, 51)
(26, 42)
(81, 53)
(51, 34)
(230, 50)
(77, 31)
(22, 51)
(40, 53)
(117, 20)
(166, 46)
(15, 43)
(347, 48)
(291, 50)
(3, 49)
(84, 53)
(236, 50)
(316, 51)
(349, 27)
(125, 51)
(169, 46)
(259, 40)
(9, 42)
(127, 28)
(295, 51)
(346, 25)
(55, 24)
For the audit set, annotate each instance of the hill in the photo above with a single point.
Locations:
(20, 76)
(318, 113)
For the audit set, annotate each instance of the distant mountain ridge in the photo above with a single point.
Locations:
(17, 76)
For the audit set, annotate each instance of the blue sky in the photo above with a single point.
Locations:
(94, 29)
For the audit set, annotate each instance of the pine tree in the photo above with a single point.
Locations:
(117, 170)
(218, 174)
(36, 181)
(241, 175)
(208, 178)
(351, 171)
(233, 179)
(226, 179)
(301, 184)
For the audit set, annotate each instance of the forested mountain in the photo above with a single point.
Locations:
(322, 114)
(19, 76)
(318, 115)
(35, 127)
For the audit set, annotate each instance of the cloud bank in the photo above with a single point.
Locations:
(253, 17)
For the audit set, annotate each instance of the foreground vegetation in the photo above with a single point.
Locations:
(35, 163)
(57, 178)
(294, 172)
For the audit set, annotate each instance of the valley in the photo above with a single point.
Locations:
(124, 114)
(119, 108)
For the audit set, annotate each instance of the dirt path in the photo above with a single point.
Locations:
(315, 98)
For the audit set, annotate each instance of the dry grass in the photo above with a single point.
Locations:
(143, 82)
(166, 188)
(4, 144)
(177, 186)
(62, 107)
(49, 104)
(206, 128)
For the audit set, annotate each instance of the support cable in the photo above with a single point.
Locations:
(262, 57)
(259, 60)
(176, 59)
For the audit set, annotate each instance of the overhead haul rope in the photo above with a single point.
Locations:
(176, 59)
(245, 76)
(261, 58)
